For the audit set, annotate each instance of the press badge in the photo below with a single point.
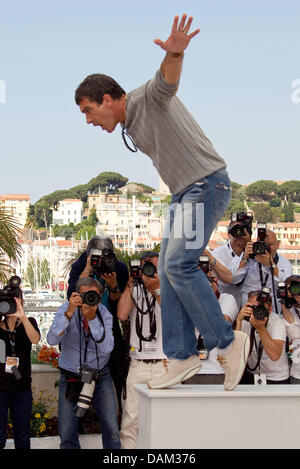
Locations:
(260, 379)
(150, 346)
(10, 362)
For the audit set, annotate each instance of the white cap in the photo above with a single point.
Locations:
(228, 305)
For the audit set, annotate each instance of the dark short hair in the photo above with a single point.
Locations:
(95, 86)
(254, 293)
(99, 242)
(149, 255)
(88, 282)
(291, 278)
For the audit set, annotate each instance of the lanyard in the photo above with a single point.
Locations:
(259, 350)
(87, 335)
(152, 319)
(12, 336)
(263, 281)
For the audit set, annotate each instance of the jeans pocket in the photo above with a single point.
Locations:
(222, 199)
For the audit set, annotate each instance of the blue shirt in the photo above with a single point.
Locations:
(70, 334)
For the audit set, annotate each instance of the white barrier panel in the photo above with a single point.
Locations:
(208, 417)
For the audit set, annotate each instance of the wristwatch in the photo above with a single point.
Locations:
(213, 263)
(157, 292)
(116, 289)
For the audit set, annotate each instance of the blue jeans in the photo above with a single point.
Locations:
(104, 404)
(20, 405)
(187, 298)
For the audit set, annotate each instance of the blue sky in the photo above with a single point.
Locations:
(236, 81)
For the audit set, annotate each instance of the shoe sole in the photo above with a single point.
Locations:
(184, 376)
(246, 350)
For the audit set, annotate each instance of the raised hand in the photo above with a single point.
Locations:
(179, 38)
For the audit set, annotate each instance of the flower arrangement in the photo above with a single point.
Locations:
(42, 424)
(49, 355)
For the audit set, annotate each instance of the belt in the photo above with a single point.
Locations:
(150, 360)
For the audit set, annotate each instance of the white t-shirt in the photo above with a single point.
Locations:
(293, 333)
(225, 255)
(150, 350)
(211, 366)
(274, 370)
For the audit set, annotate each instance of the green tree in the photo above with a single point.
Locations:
(276, 202)
(38, 273)
(287, 212)
(290, 189)
(86, 231)
(10, 247)
(235, 205)
(92, 219)
(262, 190)
(262, 212)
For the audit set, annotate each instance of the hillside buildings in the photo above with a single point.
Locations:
(16, 205)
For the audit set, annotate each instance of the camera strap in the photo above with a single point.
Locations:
(259, 349)
(263, 281)
(87, 335)
(12, 336)
(140, 318)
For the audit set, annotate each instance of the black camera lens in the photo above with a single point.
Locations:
(260, 312)
(91, 298)
(259, 247)
(237, 231)
(7, 305)
(14, 281)
(294, 288)
(149, 269)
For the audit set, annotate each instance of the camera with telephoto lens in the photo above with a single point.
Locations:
(136, 270)
(103, 261)
(245, 223)
(91, 298)
(260, 246)
(88, 377)
(8, 294)
(260, 312)
(282, 293)
(294, 287)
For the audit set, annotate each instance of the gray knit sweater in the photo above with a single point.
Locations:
(161, 126)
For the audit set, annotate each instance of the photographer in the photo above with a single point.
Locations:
(267, 334)
(141, 302)
(17, 334)
(83, 328)
(290, 307)
(230, 253)
(112, 284)
(263, 270)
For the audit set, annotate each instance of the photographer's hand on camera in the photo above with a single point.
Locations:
(244, 313)
(152, 284)
(32, 334)
(75, 302)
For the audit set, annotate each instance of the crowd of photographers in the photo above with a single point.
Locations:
(101, 361)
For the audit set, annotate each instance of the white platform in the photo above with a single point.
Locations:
(202, 416)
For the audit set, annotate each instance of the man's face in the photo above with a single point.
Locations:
(253, 301)
(271, 240)
(100, 115)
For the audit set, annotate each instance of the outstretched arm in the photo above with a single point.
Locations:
(175, 46)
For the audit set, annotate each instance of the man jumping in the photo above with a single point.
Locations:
(159, 125)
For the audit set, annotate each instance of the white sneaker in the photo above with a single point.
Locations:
(235, 361)
(176, 371)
